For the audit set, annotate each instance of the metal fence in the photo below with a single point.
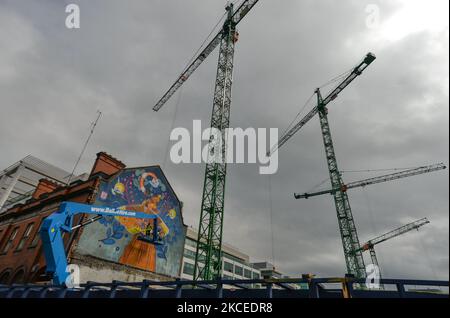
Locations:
(255, 289)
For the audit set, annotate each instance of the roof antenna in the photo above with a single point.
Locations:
(93, 125)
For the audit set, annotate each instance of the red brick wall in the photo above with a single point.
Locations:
(14, 261)
(107, 164)
(30, 259)
(44, 186)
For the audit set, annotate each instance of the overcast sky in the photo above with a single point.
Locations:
(127, 53)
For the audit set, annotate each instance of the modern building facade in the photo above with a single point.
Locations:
(107, 249)
(236, 264)
(268, 270)
(18, 181)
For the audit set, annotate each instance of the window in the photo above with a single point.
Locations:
(4, 277)
(188, 269)
(228, 267)
(18, 277)
(238, 270)
(189, 254)
(255, 275)
(191, 243)
(10, 240)
(25, 237)
(248, 273)
(36, 237)
(227, 277)
(234, 258)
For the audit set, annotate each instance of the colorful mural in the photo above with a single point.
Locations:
(115, 238)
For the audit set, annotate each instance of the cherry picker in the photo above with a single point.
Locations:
(62, 222)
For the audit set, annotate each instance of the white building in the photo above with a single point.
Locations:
(18, 181)
(236, 264)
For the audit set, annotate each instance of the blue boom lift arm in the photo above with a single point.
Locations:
(62, 221)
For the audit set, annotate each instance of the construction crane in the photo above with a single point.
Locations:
(370, 245)
(209, 242)
(375, 180)
(353, 258)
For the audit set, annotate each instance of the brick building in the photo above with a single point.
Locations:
(106, 249)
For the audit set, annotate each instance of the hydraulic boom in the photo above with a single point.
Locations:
(62, 220)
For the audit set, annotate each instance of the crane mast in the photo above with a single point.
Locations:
(353, 258)
(209, 242)
(349, 235)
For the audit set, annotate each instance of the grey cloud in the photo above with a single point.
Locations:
(52, 81)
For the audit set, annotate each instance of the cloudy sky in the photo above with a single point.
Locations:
(127, 53)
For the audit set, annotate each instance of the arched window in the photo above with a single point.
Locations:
(40, 276)
(4, 277)
(19, 277)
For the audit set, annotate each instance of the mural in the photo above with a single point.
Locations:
(115, 238)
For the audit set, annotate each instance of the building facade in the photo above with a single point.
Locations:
(107, 249)
(18, 181)
(268, 270)
(235, 264)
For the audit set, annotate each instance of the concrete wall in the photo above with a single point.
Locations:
(97, 270)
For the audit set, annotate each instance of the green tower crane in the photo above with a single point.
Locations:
(370, 245)
(353, 257)
(209, 242)
(342, 188)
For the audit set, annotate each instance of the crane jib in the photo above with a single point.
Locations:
(368, 59)
(392, 234)
(238, 15)
(379, 179)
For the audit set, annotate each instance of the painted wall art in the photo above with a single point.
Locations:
(116, 238)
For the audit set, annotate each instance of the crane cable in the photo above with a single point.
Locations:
(378, 170)
(428, 259)
(358, 171)
(221, 18)
(383, 272)
(271, 220)
(370, 213)
(174, 117)
(339, 78)
(318, 185)
(92, 129)
(336, 78)
(298, 114)
(333, 80)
